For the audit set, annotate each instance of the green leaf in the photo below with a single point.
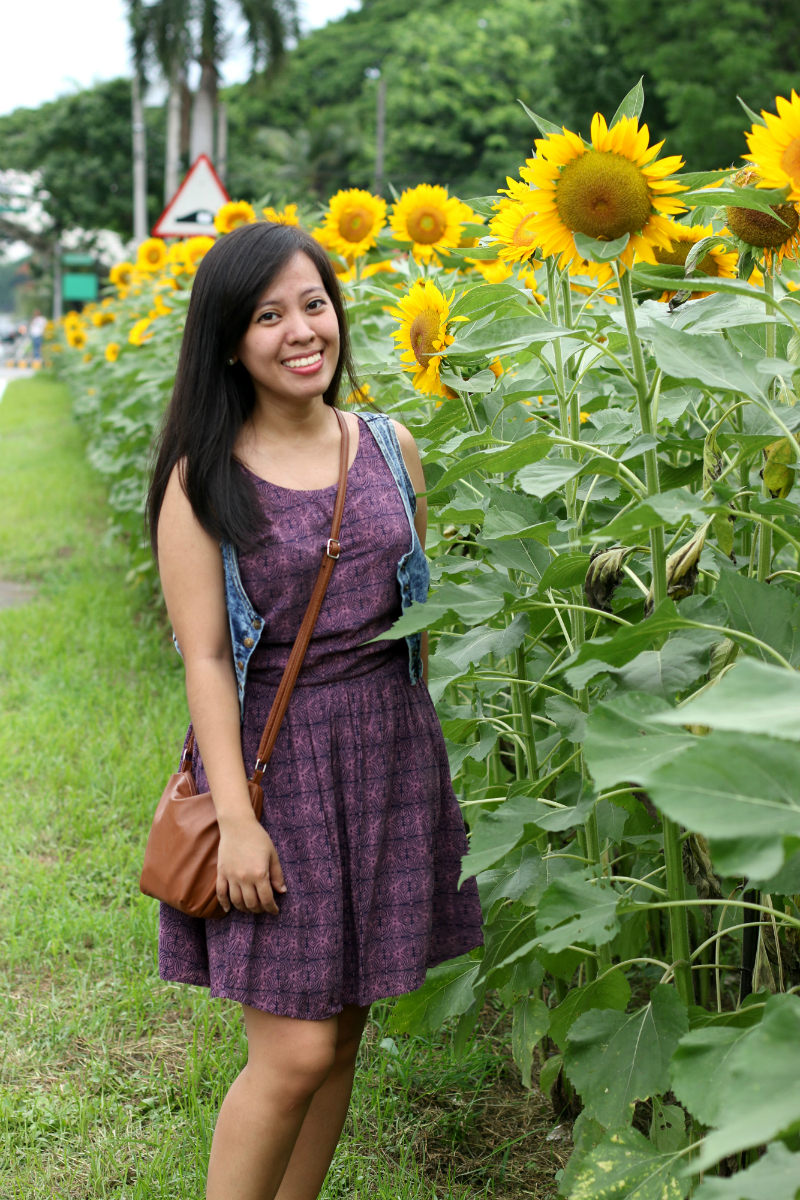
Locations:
(550, 1072)
(666, 508)
(570, 719)
(626, 1166)
(754, 117)
(473, 646)
(511, 515)
(753, 697)
(496, 833)
(544, 126)
(441, 673)
(577, 909)
(586, 1133)
(626, 643)
(517, 555)
(546, 476)
(615, 1059)
(508, 938)
(530, 1024)
(458, 754)
(767, 612)
(509, 458)
(668, 1127)
(626, 742)
(609, 991)
(448, 991)
(631, 106)
(759, 1090)
(565, 571)
(472, 602)
(776, 1176)
(664, 672)
(704, 360)
(731, 196)
(597, 251)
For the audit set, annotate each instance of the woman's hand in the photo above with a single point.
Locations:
(248, 868)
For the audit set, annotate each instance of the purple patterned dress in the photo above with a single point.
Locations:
(357, 794)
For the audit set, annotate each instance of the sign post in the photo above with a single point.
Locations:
(191, 210)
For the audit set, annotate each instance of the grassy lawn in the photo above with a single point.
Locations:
(110, 1079)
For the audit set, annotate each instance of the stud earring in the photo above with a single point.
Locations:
(231, 362)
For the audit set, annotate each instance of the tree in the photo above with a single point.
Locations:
(79, 147)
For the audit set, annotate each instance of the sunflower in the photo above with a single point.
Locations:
(177, 260)
(151, 255)
(423, 335)
(775, 146)
(286, 216)
(716, 262)
(112, 351)
(430, 219)
(76, 337)
(121, 276)
(353, 221)
(512, 227)
(778, 239)
(493, 270)
(362, 395)
(385, 266)
(233, 214)
(609, 189)
(138, 334)
(101, 318)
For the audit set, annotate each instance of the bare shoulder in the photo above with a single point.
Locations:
(178, 527)
(407, 443)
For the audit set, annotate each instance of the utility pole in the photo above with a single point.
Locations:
(380, 126)
(173, 149)
(139, 162)
(58, 307)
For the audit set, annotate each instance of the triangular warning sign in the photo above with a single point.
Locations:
(191, 210)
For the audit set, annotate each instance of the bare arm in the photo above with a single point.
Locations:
(414, 467)
(192, 576)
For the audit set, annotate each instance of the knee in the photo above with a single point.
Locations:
(306, 1071)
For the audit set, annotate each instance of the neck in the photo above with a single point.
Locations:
(276, 418)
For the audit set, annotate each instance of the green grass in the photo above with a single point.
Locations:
(110, 1079)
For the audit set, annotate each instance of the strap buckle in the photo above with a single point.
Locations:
(329, 551)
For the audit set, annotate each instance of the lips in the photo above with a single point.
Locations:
(303, 361)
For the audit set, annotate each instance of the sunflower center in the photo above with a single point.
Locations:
(603, 195)
(790, 159)
(761, 230)
(424, 329)
(426, 224)
(676, 257)
(355, 223)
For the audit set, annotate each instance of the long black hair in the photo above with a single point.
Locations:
(211, 400)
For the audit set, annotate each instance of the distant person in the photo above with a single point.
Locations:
(36, 330)
(347, 889)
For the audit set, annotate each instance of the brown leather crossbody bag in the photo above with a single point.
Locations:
(180, 860)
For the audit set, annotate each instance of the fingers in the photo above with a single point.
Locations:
(222, 893)
(266, 897)
(276, 872)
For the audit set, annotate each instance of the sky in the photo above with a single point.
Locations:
(52, 48)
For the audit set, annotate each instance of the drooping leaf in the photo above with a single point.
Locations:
(570, 719)
(776, 1176)
(458, 753)
(496, 833)
(615, 1059)
(611, 990)
(666, 671)
(577, 908)
(473, 602)
(626, 643)
(666, 508)
(761, 1086)
(753, 697)
(625, 741)
(547, 475)
(586, 1133)
(510, 936)
(626, 1166)
(566, 571)
(469, 648)
(523, 874)
(530, 1024)
(448, 991)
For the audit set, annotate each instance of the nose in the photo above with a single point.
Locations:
(299, 329)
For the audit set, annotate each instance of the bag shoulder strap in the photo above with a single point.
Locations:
(330, 556)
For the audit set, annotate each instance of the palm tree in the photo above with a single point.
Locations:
(177, 31)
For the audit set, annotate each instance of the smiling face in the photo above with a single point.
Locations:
(291, 347)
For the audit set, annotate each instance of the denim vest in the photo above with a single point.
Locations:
(413, 572)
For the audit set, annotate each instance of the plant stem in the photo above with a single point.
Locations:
(657, 552)
(765, 535)
(679, 928)
(525, 710)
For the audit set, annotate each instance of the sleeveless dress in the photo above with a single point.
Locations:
(357, 794)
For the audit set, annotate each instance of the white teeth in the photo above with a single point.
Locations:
(303, 362)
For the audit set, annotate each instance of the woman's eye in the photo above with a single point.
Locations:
(315, 305)
(267, 315)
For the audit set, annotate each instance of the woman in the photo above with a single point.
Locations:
(348, 887)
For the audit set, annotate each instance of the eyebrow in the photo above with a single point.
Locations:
(317, 287)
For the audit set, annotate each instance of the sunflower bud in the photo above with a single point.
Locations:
(681, 570)
(758, 229)
(778, 474)
(604, 575)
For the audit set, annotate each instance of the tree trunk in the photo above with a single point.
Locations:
(205, 103)
(222, 141)
(172, 162)
(139, 162)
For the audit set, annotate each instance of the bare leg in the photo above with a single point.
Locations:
(262, 1114)
(326, 1114)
